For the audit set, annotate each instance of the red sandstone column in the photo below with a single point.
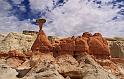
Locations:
(41, 43)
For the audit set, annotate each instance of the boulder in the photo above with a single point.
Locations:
(66, 63)
(83, 66)
(120, 64)
(56, 48)
(91, 69)
(7, 72)
(43, 67)
(14, 58)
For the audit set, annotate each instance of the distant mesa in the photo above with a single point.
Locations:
(27, 32)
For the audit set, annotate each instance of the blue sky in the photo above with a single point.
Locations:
(28, 13)
(21, 14)
(34, 14)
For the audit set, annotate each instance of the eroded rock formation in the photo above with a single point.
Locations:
(41, 43)
(92, 44)
(98, 46)
(78, 57)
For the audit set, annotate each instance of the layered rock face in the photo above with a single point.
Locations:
(92, 44)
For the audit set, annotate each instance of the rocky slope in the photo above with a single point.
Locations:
(82, 57)
(16, 41)
(45, 66)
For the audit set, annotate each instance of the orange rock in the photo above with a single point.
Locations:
(41, 43)
(3, 54)
(100, 38)
(14, 62)
(81, 44)
(28, 53)
(87, 34)
(93, 44)
(65, 46)
(109, 66)
(98, 46)
(56, 48)
(15, 53)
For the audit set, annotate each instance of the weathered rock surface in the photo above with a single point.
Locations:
(41, 43)
(23, 42)
(16, 59)
(7, 72)
(117, 49)
(66, 63)
(120, 64)
(98, 46)
(43, 67)
(16, 41)
(91, 69)
(82, 57)
(81, 44)
(14, 62)
(1, 37)
(93, 44)
(66, 66)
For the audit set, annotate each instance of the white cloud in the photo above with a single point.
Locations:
(41, 4)
(79, 17)
(4, 7)
(11, 23)
(74, 17)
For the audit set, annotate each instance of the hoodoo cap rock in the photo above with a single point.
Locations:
(41, 20)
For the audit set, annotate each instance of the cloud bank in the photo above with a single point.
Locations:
(69, 17)
(10, 23)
